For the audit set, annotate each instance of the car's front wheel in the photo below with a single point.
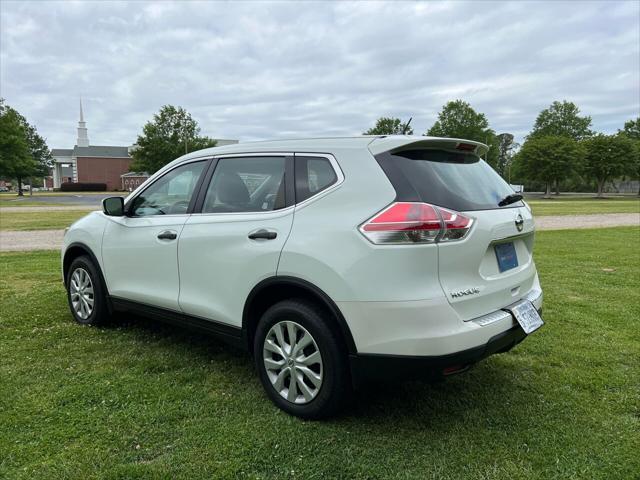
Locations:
(301, 361)
(86, 292)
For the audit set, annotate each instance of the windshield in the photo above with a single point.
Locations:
(459, 181)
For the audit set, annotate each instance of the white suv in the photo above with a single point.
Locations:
(333, 261)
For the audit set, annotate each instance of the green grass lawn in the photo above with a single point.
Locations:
(147, 401)
(40, 220)
(584, 205)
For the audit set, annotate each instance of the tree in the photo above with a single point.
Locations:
(458, 119)
(171, 133)
(562, 119)
(631, 131)
(607, 157)
(14, 151)
(24, 153)
(38, 150)
(389, 126)
(548, 159)
(506, 148)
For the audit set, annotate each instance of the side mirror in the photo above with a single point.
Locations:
(113, 206)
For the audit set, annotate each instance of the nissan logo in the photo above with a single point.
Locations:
(519, 223)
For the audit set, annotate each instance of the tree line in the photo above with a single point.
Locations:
(561, 147)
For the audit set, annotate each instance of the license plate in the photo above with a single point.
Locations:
(527, 316)
(506, 255)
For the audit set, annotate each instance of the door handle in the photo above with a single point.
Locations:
(263, 234)
(167, 235)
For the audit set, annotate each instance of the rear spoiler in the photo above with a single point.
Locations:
(398, 143)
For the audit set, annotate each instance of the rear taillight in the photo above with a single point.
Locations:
(409, 222)
(456, 225)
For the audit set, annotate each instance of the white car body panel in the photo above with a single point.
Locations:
(417, 328)
(87, 231)
(471, 263)
(420, 328)
(219, 264)
(137, 265)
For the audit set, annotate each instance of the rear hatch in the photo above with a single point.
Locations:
(492, 265)
(470, 271)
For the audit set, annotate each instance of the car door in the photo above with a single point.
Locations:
(246, 213)
(140, 249)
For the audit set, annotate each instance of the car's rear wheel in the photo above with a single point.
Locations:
(86, 292)
(301, 361)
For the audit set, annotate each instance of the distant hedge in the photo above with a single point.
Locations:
(83, 187)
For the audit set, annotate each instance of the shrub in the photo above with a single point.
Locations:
(83, 187)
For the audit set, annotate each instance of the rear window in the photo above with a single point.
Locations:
(459, 181)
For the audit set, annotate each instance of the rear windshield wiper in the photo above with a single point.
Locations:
(509, 199)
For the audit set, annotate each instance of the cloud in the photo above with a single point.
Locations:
(266, 70)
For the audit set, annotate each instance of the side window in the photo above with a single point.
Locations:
(171, 193)
(313, 174)
(246, 184)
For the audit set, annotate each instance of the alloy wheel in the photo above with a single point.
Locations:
(81, 293)
(293, 362)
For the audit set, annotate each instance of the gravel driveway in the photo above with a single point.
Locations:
(44, 208)
(603, 220)
(52, 239)
(81, 199)
(31, 240)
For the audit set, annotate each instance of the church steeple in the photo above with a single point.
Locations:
(83, 138)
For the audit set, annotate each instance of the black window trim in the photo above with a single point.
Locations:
(130, 202)
(200, 191)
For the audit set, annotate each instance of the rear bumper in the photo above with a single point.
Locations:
(424, 328)
(372, 367)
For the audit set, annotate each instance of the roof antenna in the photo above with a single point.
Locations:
(406, 126)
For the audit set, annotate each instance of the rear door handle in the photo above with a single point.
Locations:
(168, 235)
(263, 234)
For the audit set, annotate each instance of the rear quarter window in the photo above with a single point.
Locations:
(313, 175)
(458, 181)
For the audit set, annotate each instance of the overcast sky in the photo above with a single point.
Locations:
(264, 70)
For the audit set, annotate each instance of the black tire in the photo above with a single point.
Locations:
(100, 312)
(335, 387)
